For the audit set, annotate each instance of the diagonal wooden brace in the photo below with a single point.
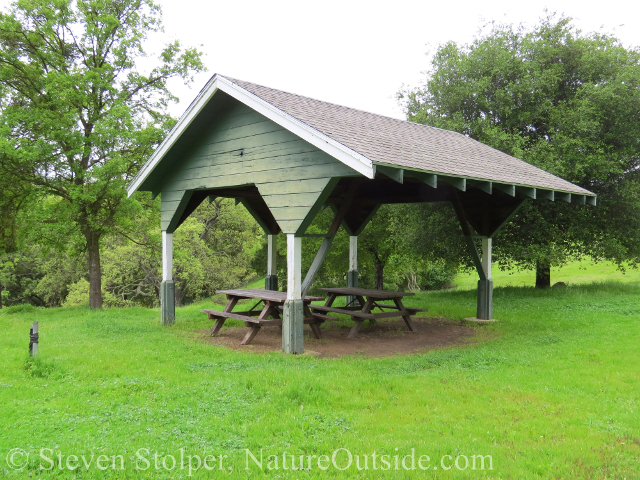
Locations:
(326, 243)
(468, 236)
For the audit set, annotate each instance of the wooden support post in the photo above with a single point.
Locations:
(167, 287)
(293, 322)
(33, 340)
(271, 281)
(352, 274)
(483, 265)
(485, 286)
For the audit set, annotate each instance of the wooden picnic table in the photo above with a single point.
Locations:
(367, 300)
(272, 303)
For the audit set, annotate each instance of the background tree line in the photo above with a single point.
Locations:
(80, 116)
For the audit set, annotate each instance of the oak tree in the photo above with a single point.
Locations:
(79, 114)
(563, 100)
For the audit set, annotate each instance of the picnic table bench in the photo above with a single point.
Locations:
(367, 301)
(272, 301)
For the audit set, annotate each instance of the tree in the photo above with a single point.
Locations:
(78, 115)
(565, 101)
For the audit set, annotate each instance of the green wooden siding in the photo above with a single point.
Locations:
(242, 147)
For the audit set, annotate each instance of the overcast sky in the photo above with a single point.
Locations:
(353, 52)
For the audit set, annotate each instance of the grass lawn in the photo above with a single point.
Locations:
(573, 273)
(552, 390)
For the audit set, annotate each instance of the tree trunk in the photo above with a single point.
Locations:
(0, 294)
(179, 292)
(379, 274)
(95, 270)
(543, 275)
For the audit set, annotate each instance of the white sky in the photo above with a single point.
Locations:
(353, 52)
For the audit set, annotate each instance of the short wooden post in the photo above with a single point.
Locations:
(293, 321)
(33, 340)
(167, 287)
(352, 274)
(271, 280)
(485, 286)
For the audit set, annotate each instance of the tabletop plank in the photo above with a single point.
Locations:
(262, 294)
(364, 292)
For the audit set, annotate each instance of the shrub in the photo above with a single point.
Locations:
(435, 277)
(78, 294)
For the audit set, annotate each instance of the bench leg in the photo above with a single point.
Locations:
(248, 338)
(354, 330)
(217, 326)
(409, 323)
(406, 318)
(315, 328)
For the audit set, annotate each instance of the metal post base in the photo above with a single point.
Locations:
(168, 302)
(485, 300)
(293, 327)
(352, 281)
(271, 282)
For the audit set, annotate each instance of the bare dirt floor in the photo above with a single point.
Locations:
(385, 338)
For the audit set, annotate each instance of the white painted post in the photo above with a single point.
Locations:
(293, 321)
(353, 252)
(271, 281)
(167, 287)
(294, 267)
(271, 255)
(167, 256)
(487, 244)
(485, 287)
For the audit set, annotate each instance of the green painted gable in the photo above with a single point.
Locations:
(231, 145)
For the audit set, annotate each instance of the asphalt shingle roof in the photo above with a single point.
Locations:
(407, 144)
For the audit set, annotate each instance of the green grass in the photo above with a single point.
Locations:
(552, 390)
(259, 283)
(572, 273)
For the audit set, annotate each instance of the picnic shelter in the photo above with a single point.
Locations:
(285, 156)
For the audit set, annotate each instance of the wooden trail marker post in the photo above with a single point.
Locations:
(33, 340)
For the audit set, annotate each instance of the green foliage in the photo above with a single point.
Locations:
(563, 100)
(78, 116)
(78, 294)
(38, 275)
(212, 250)
(435, 277)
